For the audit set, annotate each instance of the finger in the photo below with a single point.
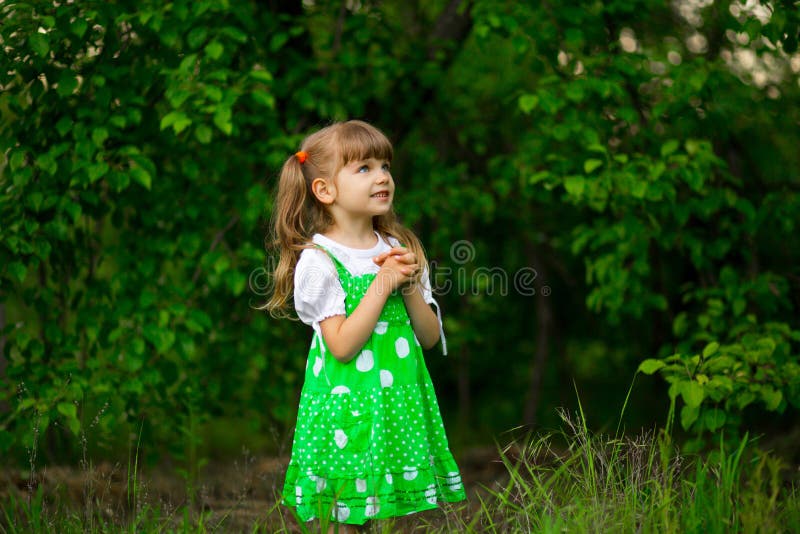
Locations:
(410, 269)
(407, 258)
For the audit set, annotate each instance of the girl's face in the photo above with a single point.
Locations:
(365, 187)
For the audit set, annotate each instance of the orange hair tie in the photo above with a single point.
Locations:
(301, 156)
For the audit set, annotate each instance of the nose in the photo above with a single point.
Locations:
(382, 178)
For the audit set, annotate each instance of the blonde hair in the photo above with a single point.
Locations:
(298, 215)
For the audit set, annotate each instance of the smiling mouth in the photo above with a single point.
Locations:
(381, 195)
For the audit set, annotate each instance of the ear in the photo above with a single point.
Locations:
(324, 191)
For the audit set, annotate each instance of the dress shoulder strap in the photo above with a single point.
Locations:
(340, 268)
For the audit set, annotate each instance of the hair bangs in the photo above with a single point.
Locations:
(358, 140)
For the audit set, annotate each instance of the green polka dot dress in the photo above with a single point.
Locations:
(369, 441)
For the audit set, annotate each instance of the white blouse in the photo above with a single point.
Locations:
(318, 293)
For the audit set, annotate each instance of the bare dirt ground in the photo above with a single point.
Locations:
(233, 496)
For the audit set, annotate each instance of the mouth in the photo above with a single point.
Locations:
(382, 194)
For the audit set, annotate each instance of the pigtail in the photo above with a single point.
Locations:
(290, 228)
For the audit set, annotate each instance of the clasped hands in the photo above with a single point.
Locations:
(399, 267)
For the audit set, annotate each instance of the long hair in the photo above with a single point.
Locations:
(298, 215)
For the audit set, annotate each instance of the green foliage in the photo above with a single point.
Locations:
(127, 233)
(626, 126)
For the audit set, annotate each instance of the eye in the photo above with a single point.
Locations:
(363, 168)
(386, 167)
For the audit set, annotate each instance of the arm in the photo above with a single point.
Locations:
(423, 320)
(346, 335)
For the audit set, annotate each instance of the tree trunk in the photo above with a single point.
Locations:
(544, 327)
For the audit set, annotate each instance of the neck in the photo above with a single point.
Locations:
(352, 233)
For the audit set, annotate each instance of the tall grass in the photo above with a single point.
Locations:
(598, 483)
(568, 481)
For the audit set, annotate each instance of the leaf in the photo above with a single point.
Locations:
(78, 27)
(264, 98)
(67, 409)
(203, 133)
(187, 64)
(214, 49)
(97, 171)
(39, 44)
(47, 163)
(196, 37)
(745, 399)
(64, 125)
(528, 103)
(67, 83)
(277, 41)
(235, 33)
(17, 160)
(575, 92)
(713, 419)
(99, 136)
(161, 338)
(574, 184)
(689, 415)
(669, 147)
(772, 398)
(692, 393)
(650, 366)
(222, 119)
(600, 149)
(141, 176)
(18, 270)
(591, 164)
(261, 75)
(538, 177)
(74, 426)
(710, 349)
(639, 188)
(177, 119)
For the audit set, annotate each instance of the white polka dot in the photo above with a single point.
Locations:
(401, 346)
(320, 484)
(340, 390)
(386, 378)
(341, 512)
(430, 494)
(361, 485)
(340, 438)
(381, 327)
(372, 507)
(389, 478)
(365, 361)
(314, 340)
(317, 366)
(409, 473)
(298, 493)
(453, 480)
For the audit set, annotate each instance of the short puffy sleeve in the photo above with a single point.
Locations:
(318, 293)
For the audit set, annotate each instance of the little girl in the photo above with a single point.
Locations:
(369, 441)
